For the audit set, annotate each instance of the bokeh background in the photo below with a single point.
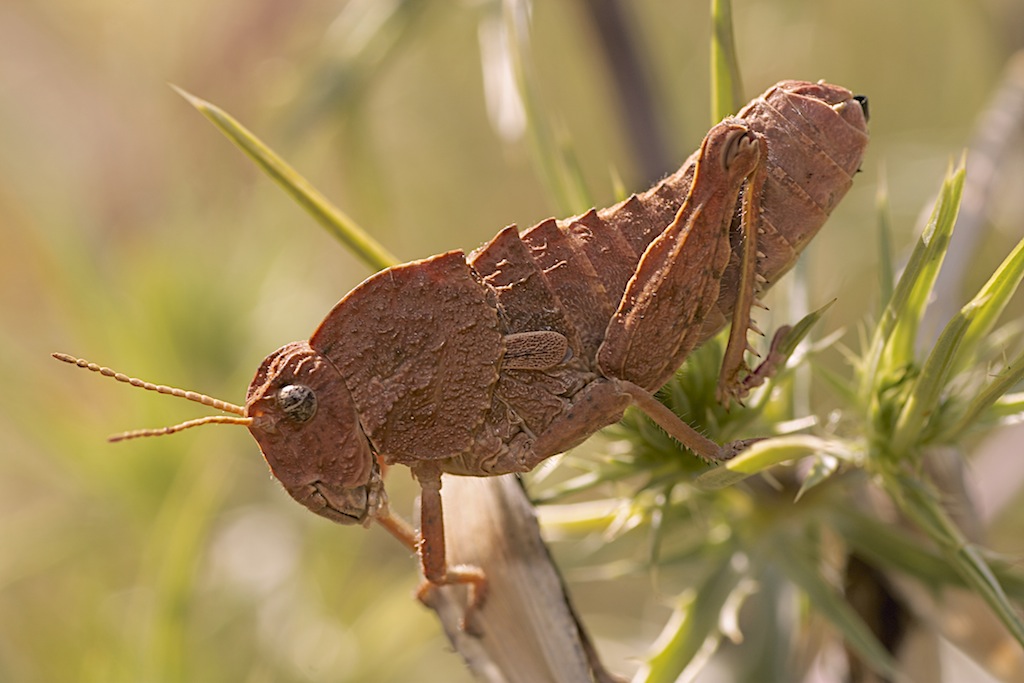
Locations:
(133, 234)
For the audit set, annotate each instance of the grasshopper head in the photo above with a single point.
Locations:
(303, 418)
(307, 427)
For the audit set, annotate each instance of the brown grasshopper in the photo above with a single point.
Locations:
(488, 364)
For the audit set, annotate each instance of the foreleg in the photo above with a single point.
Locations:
(431, 549)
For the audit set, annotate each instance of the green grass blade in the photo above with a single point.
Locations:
(559, 173)
(886, 267)
(766, 454)
(992, 299)
(889, 546)
(169, 564)
(691, 635)
(928, 388)
(580, 199)
(619, 190)
(726, 86)
(822, 468)
(838, 383)
(892, 344)
(364, 38)
(309, 198)
(936, 238)
(1010, 404)
(956, 349)
(921, 505)
(991, 394)
(804, 572)
(800, 330)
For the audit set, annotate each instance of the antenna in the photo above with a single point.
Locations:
(171, 391)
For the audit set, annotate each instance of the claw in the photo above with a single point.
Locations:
(734, 448)
(767, 369)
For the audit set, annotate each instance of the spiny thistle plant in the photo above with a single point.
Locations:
(801, 507)
(788, 520)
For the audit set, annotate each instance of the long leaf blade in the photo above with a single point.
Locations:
(885, 263)
(346, 230)
(726, 87)
(766, 454)
(891, 547)
(921, 505)
(553, 153)
(692, 632)
(892, 344)
(928, 388)
(826, 600)
(992, 299)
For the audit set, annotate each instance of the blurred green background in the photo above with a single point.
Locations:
(134, 235)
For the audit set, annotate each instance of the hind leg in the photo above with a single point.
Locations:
(679, 430)
(678, 280)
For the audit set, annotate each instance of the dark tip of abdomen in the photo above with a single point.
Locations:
(863, 100)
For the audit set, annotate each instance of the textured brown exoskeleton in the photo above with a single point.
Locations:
(488, 364)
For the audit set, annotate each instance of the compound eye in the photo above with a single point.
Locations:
(297, 402)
